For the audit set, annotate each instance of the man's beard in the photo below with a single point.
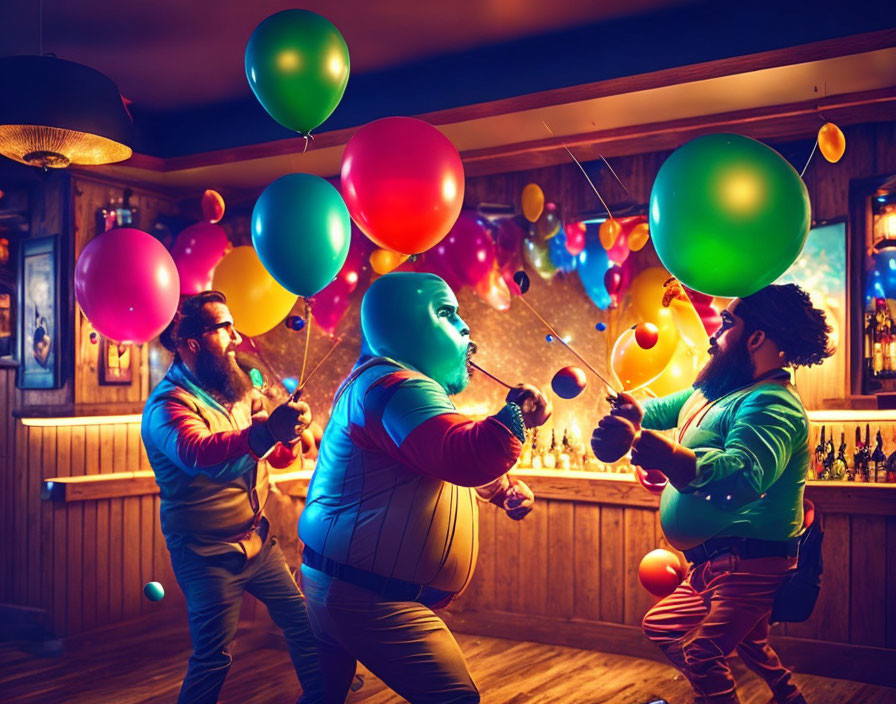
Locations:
(461, 377)
(725, 371)
(222, 377)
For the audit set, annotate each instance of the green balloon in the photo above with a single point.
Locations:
(728, 215)
(301, 232)
(297, 65)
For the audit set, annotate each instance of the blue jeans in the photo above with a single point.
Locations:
(214, 586)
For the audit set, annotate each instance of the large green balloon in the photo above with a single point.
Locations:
(301, 231)
(297, 65)
(728, 215)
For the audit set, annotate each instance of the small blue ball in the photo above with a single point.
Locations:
(549, 338)
(600, 327)
(154, 591)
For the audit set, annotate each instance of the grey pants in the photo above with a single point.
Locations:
(214, 587)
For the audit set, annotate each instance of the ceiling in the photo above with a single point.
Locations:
(173, 54)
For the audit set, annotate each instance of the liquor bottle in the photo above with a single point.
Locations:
(818, 457)
(828, 462)
(839, 469)
(536, 451)
(549, 459)
(858, 457)
(866, 456)
(878, 460)
(891, 467)
(564, 453)
(869, 344)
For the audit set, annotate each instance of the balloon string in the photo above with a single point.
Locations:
(298, 392)
(567, 345)
(585, 173)
(618, 180)
(811, 154)
(490, 376)
(307, 342)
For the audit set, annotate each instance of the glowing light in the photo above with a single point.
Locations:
(336, 66)
(449, 188)
(742, 191)
(289, 60)
(81, 420)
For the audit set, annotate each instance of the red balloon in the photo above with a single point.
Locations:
(569, 382)
(403, 183)
(575, 237)
(660, 572)
(127, 284)
(646, 335)
(613, 279)
(212, 206)
(196, 252)
(331, 303)
(651, 479)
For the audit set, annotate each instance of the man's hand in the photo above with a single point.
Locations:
(625, 406)
(534, 405)
(518, 500)
(288, 420)
(612, 438)
(652, 450)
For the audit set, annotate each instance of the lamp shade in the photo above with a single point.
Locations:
(55, 112)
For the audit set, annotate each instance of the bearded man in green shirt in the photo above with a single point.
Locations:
(734, 502)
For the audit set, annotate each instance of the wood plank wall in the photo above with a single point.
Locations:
(86, 561)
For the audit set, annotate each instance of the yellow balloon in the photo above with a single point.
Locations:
(831, 142)
(689, 325)
(608, 232)
(638, 238)
(635, 367)
(647, 292)
(681, 370)
(533, 202)
(385, 260)
(256, 301)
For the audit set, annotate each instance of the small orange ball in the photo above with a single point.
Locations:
(646, 335)
(660, 572)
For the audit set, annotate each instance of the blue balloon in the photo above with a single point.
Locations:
(560, 256)
(592, 265)
(301, 231)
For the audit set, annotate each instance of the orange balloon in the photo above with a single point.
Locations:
(212, 206)
(533, 202)
(831, 142)
(680, 371)
(689, 324)
(608, 232)
(660, 572)
(647, 292)
(385, 260)
(636, 367)
(638, 237)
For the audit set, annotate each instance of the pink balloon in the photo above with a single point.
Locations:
(613, 281)
(196, 252)
(330, 304)
(575, 237)
(470, 250)
(619, 252)
(127, 284)
(436, 261)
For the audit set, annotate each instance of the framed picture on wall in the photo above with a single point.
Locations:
(115, 363)
(39, 314)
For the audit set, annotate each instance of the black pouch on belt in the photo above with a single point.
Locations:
(798, 593)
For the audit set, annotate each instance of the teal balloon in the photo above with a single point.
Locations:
(297, 64)
(154, 591)
(728, 215)
(301, 231)
(592, 265)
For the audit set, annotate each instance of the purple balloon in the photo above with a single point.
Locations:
(127, 284)
(470, 250)
(196, 252)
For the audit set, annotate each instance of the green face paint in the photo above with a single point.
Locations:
(412, 318)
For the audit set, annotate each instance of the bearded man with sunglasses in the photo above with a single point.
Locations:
(734, 502)
(209, 441)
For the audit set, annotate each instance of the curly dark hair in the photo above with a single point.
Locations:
(190, 320)
(786, 315)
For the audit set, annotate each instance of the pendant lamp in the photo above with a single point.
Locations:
(55, 112)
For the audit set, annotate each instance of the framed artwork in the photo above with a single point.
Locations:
(115, 363)
(39, 314)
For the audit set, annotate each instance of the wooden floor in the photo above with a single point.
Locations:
(147, 663)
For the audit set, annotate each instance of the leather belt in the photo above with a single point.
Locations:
(744, 548)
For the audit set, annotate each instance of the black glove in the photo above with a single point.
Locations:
(285, 424)
(612, 438)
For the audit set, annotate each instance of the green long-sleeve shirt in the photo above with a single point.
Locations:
(752, 453)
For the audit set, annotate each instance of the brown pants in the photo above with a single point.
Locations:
(721, 606)
(403, 643)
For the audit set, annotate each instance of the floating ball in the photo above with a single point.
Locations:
(295, 322)
(569, 382)
(549, 338)
(290, 384)
(257, 378)
(660, 572)
(600, 327)
(94, 338)
(154, 591)
(521, 279)
(646, 335)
